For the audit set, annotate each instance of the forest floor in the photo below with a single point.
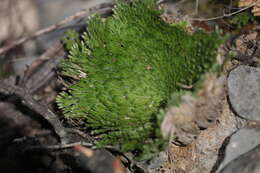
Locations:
(36, 137)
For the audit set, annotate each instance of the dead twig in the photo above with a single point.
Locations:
(197, 7)
(36, 77)
(184, 86)
(60, 146)
(104, 7)
(225, 15)
(42, 110)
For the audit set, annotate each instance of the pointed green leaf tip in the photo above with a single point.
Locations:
(132, 63)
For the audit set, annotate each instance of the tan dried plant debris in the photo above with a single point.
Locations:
(202, 155)
(184, 123)
(255, 3)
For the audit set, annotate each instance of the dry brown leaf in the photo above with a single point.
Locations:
(246, 3)
(86, 151)
(256, 10)
(118, 166)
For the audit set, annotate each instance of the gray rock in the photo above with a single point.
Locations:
(244, 91)
(246, 163)
(157, 162)
(239, 143)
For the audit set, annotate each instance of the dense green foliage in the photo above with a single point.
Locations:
(128, 65)
(242, 19)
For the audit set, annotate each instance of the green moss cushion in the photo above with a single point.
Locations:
(131, 63)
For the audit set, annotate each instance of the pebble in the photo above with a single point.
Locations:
(246, 163)
(244, 91)
(241, 142)
(157, 162)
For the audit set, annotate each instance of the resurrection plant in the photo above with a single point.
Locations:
(127, 67)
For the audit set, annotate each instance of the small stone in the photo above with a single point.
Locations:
(157, 163)
(239, 143)
(244, 91)
(246, 163)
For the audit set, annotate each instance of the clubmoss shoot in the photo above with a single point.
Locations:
(128, 66)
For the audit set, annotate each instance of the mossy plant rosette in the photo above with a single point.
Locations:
(131, 63)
